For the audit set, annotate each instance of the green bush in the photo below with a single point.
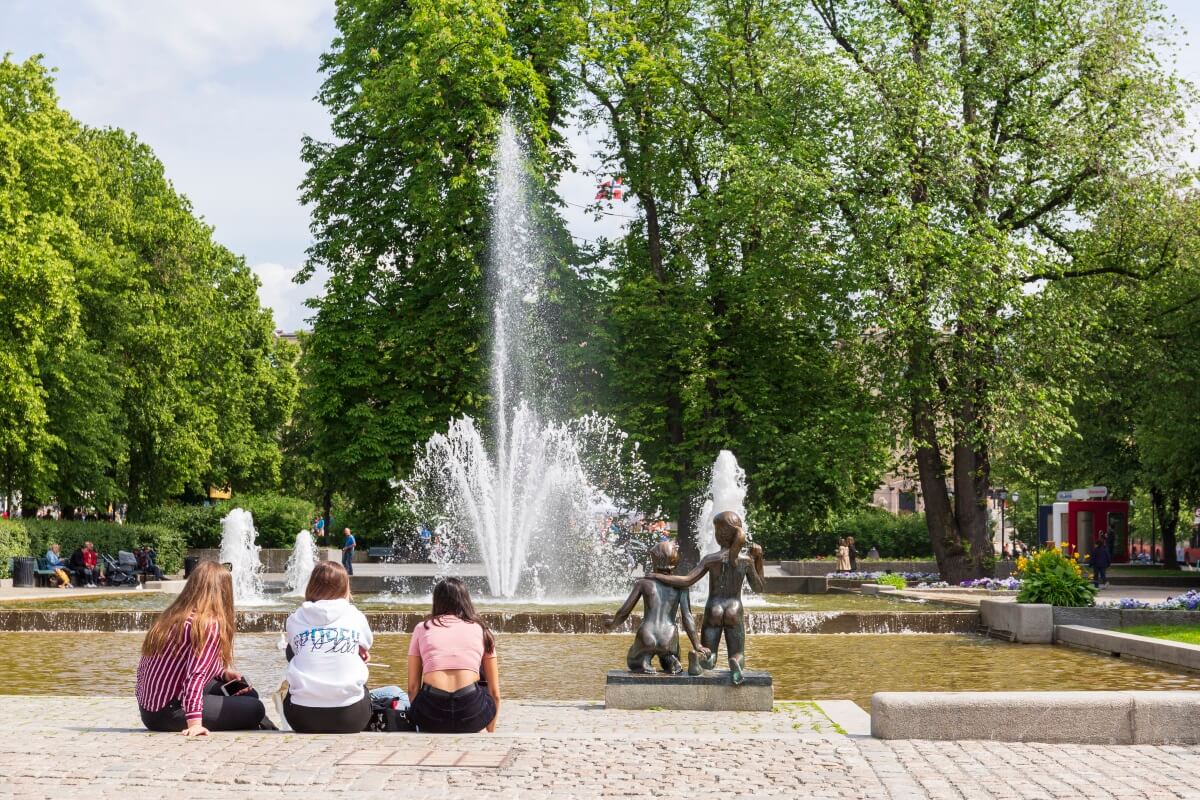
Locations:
(14, 541)
(277, 519)
(892, 580)
(200, 526)
(895, 536)
(108, 537)
(1051, 576)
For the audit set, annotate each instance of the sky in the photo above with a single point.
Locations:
(223, 91)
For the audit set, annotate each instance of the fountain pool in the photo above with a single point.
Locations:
(572, 667)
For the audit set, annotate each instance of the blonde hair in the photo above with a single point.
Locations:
(206, 599)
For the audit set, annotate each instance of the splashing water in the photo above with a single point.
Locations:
(240, 551)
(300, 563)
(533, 501)
(726, 492)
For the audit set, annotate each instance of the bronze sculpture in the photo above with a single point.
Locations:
(727, 569)
(658, 634)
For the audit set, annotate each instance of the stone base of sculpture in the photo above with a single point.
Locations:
(710, 691)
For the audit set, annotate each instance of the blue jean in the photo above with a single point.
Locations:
(348, 561)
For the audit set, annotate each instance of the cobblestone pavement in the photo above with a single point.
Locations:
(64, 747)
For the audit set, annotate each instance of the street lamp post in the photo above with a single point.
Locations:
(1003, 494)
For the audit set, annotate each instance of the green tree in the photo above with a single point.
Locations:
(983, 139)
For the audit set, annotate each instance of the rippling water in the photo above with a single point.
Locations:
(151, 601)
(572, 666)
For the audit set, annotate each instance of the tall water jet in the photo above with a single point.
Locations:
(300, 563)
(726, 492)
(523, 500)
(240, 550)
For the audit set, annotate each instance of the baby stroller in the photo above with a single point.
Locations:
(123, 570)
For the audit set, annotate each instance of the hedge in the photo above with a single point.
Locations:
(14, 541)
(277, 519)
(108, 538)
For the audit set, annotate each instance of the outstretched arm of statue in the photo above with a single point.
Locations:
(684, 581)
(624, 611)
(755, 575)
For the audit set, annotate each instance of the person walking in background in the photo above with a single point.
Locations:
(348, 545)
(852, 551)
(1100, 560)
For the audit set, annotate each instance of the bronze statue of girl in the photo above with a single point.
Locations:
(727, 569)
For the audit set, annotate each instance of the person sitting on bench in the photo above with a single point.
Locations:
(61, 570)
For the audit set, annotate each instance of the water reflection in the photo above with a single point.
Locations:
(571, 667)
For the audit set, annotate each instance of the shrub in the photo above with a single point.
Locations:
(1051, 576)
(14, 541)
(895, 536)
(277, 519)
(892, 579)
(108, 537)
(200, 526)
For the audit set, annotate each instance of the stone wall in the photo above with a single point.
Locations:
(273, 559)
(1113, 618)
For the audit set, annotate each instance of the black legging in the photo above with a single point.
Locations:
(338, 719)
(242, 712)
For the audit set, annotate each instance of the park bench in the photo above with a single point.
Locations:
(42, 573)
(385, 554)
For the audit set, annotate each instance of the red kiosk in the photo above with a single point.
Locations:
(1081, 515)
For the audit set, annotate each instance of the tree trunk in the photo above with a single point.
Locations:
(326, 507)
(1166, 506)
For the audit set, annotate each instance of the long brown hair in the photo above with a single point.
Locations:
(206, 599)
(328, 581)
(451, 599)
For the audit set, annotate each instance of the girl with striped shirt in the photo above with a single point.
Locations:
(185, 658)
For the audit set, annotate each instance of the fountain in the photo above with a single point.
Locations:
(530, 499)
(726, 492)
(300, 563)
(240, 551)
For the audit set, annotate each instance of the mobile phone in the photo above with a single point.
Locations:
(234, 686)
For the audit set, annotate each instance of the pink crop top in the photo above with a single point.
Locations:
(454, 644)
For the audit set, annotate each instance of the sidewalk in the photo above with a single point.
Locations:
(557, 750)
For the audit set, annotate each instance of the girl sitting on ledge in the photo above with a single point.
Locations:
(184, 663)
(449, 654)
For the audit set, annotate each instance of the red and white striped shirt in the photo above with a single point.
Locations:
(178, 673)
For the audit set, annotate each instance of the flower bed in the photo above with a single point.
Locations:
(871, 576)
(992, 584)
(1189, 601)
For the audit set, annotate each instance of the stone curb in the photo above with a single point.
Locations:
(1147, 648)
(1051, 717)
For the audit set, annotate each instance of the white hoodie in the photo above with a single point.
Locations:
(327, 671)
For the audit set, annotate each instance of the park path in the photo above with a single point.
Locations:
(75, 747)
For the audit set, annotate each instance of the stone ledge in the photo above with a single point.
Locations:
(1028, 623)
(1147, 648)
(711, 691)
(1051, 717)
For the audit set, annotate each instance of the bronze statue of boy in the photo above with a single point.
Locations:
(658, 634)
(727, 569)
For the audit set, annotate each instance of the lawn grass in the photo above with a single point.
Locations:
(1145, 569)
(1188, 634)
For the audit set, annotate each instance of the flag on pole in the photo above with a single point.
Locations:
(611, 190)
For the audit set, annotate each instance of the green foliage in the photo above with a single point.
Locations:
(1188, 634)
(137, 361)
(892, 580)
(14, 541)
(1051, 576)
(276, 519)
(108, 537)
(895, 536)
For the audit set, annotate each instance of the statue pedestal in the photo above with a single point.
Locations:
(712, 691)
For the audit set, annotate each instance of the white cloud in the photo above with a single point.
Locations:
(284, 297)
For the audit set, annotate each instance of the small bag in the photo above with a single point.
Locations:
(390, 720)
